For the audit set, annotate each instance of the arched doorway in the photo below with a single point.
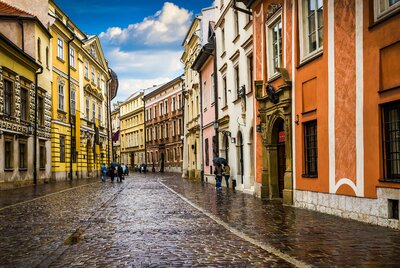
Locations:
(278, 137)
(240, 157)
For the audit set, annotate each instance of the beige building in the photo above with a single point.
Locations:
(131, 116)
(115, 132)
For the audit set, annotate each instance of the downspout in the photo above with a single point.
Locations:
(38, 72)
(201, 127)
(145, 141)
(69, 101)
(109, 123)
(216, 94)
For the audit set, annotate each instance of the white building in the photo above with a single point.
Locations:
(235, 92)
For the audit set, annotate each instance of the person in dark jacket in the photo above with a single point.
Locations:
(112, 172)
(120, 173)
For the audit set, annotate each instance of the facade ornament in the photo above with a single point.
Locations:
(272, 9)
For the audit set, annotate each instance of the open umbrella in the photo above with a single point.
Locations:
(220, 160)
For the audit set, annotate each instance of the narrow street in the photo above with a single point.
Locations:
(165, 221)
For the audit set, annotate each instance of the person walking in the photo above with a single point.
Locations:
(103, 172)
(227, 174)
(112, 172)
(218, 176)
(120, 173)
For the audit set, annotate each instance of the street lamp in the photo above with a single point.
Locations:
(30, 128)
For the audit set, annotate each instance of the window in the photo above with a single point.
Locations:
(274, 45)
(99, 115)
(22, 155)
(41, 111)
(42, 156)
(60, 51)
(206, 153)
(62, 148)
(155, 111)
(166, 106)
(312, 27)
(73, 102)
(212, 89)
(93, 76)
(174, 129)
(237, 83)
(87, 109)
(225, 91)
(166, 131)
(93, 111)
(161, 109)
(173, 107)
(8, 153)
(72, 57)
(385, 7)
(223, 39)
(98, 79)
(61, 97)
(179, 102)
(236, 18)
(86, 70)
(310, 149)
(391, 140)
(24, 105)
(39, 55)
(8, 97)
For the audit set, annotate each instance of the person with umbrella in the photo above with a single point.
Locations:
(218, 176)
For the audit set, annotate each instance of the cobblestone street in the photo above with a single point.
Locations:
(165, 221)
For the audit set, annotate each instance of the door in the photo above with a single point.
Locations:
(281, 164)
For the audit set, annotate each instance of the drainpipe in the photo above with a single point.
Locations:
(69, 101)
(145, 146)
(38, 72)
(109, 122)
(216, 107)
(201, 127)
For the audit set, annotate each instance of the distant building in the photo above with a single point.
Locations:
(116, 133)
(131, 117)
(164, 122)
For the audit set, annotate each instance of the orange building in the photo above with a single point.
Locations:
(328, 118)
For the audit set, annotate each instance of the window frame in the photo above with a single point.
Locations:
(380, 14)
(24, 104)
(72, 57)
(310, 149)
(61, 96)
(41, 110)
(270, 25)
(305, 53)
(42, 157)
(86, 69)
(60, 48)
(385, 111)
(62, 149)
(11, 97)
(23, 157)
(9, 154)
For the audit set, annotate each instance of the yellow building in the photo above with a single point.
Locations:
(132, 130)
(79, 124)
(25, 83)
(192, 146)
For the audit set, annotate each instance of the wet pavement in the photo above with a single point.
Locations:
(158, 220)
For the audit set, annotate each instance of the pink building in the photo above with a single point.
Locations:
(204, 64)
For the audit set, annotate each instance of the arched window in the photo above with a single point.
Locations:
(38, 50)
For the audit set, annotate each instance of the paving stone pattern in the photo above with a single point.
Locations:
(137, 223)
(314, 238)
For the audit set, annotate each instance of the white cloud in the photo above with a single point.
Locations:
(145, 62)
(129, 86)
(167, 26)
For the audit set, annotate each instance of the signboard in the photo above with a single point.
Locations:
(281, 136)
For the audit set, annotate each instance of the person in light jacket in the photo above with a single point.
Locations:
(227, 174)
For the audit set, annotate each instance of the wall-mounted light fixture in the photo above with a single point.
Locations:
(233, 140)
(30, 128)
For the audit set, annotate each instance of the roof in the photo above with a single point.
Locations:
(150, 91)
(7, 10)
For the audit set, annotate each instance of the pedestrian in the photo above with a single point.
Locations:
(112, 172)
(227, 174)
(103, 172)
(120, 173)
(218, 176)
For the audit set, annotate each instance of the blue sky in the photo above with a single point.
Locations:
(141, 39)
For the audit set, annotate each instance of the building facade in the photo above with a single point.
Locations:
(116, 132)
(80, 81)
(25, 98)
(332, 105)
(234, 56)
(131, 116)
(164, 122)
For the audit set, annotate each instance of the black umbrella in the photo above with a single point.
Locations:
(220, 160)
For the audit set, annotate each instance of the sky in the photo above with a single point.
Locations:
(141, 39)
